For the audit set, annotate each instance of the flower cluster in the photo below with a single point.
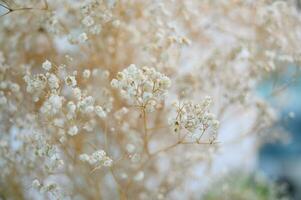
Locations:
(43, 188)
(196, 119)
(98, 159)
(57, 96)
(143, 87)
(52, 105)
(36, 85)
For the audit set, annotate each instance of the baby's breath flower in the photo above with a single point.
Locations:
(96, 29)
(143, 87)
(36, 184)
(86, 105)
(47, 65)
(139, 176)
(70, 81)
(3, 99)
(97, 159)
(49, 187)
(73, 130)
(82, 37)
(100, 112)
(53, 81)
(88, 21)
(195, 118)
(52, 105)
(14, 87)
(86, 73)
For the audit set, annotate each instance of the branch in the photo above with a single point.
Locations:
(10, 10)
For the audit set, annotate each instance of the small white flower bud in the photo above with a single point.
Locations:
(73, 130)
(47, 65)
(36, 184)
(70, 81)
(86, 73)
(82, 37)
(100, 112)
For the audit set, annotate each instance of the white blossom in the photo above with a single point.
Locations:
(82, 37)
(142, 87)
(53, 81)
(52, 105)
(100, 112)
(88, 21)
(195, 118)
(36, 184)
(86, 73)
(97, 159)
(73, 130)
(47, 65)
(70, 81)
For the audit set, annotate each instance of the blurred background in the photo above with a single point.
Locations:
(281, 161)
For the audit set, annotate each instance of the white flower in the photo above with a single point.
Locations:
(3, 99)
(47, 65)
(107, 162)
(86, 105)
(114, 83)
(84, 157)
(70, 81)
(96, 29)
(100, 112)
(143, 87)
(48, 187)
(86, 73)
(88, 21)
(14, 87)
(77, 93)
(98, 158)
(99, 155)
(71, 107)
(82, 37)
(73, 130)
(195, 118)
(52, 105)
(139, 176)
(53, 81)
(63, 139)
(36, 184)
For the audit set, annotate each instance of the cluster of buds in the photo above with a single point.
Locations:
(43, 188)
(143, 87)
(196, 119)
(98, 159)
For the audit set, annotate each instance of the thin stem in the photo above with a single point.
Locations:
(145, 138)
(122, 194)
(6, 7)
(166, 148)
(158, 128)
(10, 10)
(119, 187)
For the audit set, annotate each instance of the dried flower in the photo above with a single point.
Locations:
(70, 81)
(97, 159)
(73, 130)
(142, 87)
(47, 65)
(195, 118)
